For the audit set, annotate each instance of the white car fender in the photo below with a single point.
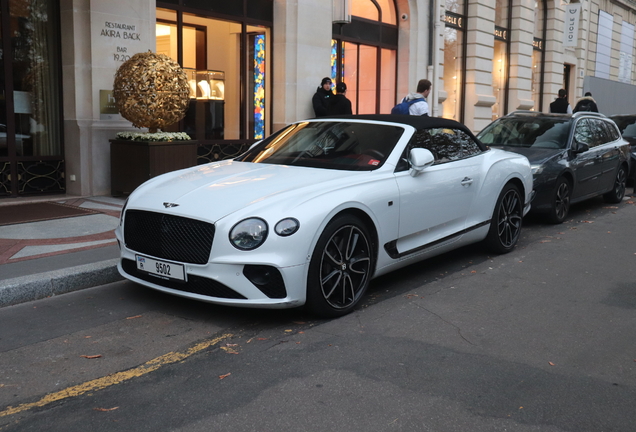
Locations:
(383, 212)
(508, 168)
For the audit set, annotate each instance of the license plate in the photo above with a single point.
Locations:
(162, 269)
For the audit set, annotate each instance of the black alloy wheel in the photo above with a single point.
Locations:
(618, 191)
(505, 226)
(560, 202)
(340, 267)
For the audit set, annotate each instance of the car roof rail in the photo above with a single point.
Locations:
(595, 114)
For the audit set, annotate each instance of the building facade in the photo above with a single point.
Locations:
(254, 65)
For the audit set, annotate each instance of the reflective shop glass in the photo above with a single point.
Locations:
(212, 52)
(453, 73)
(32, 98)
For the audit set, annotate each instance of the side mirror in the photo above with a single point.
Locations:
(420, 159)
(580, 147)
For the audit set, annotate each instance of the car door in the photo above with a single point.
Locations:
(434, 204)
(610, 153)
(587, 164)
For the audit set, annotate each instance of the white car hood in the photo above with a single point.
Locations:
(215, 190)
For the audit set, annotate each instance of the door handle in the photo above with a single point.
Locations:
(467, 181)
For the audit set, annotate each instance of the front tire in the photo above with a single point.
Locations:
(505, 226)
(560, 201)
(618, 191)
(340, 268)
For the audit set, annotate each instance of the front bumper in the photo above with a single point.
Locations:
(258, 284)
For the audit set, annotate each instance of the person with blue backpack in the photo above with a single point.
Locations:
(415, 103)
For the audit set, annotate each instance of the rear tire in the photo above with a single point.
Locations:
(341, 267)
(505, 225)
(618, 191)
(560, 201)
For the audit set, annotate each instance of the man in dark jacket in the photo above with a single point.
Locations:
(561, 104)
(322, 98)
(586, 103)
(340, 105)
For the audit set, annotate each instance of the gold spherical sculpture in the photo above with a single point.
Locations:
(151, 90)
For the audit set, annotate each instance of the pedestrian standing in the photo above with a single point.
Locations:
(561, 104)
(322, 98)
(415, 103)
(340, 105)
(586, 103)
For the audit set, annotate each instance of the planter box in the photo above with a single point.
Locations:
(134, 162)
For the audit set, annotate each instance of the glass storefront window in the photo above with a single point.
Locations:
(36, 83)
(499, 78)
(536, 78)
(350, 73)
(368, 66)
(31, 151)
(365, 9)
(455, 6)
(228, 69)
(453, 48)
(454, 70)
(367, 86)
(388, 11)
(500, 58)
(388, 65)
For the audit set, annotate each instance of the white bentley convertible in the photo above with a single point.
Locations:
(311, 214)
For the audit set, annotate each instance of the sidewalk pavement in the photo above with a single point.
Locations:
(51, 257)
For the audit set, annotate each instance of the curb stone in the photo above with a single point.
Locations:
(34, 287)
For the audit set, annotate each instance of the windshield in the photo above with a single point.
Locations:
(527, 132)
(627, 125)
(334, 145)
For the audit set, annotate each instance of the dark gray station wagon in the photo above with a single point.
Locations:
(573, 157)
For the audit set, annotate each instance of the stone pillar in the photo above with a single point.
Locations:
(97, 38)
(479, 55)
(302, 49)
(522, 35)
(553, 56)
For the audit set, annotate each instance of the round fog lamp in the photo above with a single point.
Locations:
(287, 227)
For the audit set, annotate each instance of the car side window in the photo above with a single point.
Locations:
(600, 131)
(445, 144)
(612, 132)
(469, 145)
(584, 133)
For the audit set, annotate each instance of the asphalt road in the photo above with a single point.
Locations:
(541, 339)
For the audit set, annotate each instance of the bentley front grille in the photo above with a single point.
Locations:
(173, 238)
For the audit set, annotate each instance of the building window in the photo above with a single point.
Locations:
(454, 61)
(30, 107)
(364, 56)
(626, 59)
(604, 45)
(228, 68)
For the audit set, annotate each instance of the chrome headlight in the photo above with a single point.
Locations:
(287, 227)
(537, 169)
(248, 234)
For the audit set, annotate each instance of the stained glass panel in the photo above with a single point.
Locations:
(259, 86)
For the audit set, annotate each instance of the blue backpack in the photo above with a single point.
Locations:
(403, 107)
